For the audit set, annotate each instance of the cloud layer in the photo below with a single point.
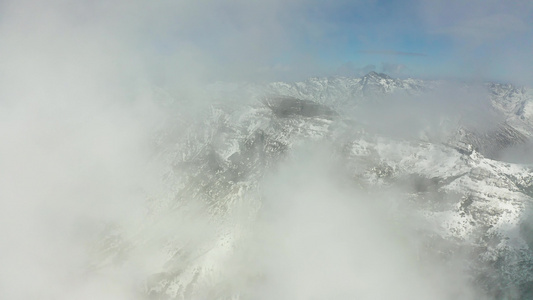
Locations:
(77, 116)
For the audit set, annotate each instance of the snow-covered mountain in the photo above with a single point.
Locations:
(336, 91)
(429, 155)
(509, 111)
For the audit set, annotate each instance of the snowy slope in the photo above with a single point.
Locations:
(200, 232)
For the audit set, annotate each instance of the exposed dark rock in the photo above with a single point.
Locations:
(284, 107)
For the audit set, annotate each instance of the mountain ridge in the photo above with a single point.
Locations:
(467, 207)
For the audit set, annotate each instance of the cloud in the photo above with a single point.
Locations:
(78, 114)
(350, 69)
(487, 28)
(393, 69)
(391, 52)
(213, 41)
(77, 122)
(332, 241)
(487, 39)
(434, 114)
(476, 18)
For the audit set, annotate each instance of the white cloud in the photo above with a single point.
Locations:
(349, 69)
(393, 69)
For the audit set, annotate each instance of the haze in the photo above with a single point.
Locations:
(81, 105)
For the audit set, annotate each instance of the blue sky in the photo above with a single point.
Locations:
(437, 39)
(294, 39)
(466, 39)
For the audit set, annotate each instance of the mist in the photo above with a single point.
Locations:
(321, 238)
(96, 101)
(434, 114)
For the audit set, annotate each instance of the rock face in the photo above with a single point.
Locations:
(286, 107)
(509, 109)
(468, 203)
(491, 144)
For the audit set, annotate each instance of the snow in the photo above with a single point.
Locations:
(485, 196)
